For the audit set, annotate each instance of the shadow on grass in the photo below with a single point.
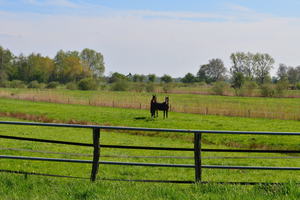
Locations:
(144, 118)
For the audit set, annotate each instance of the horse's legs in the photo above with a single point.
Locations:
(167, 113)
(152, 111)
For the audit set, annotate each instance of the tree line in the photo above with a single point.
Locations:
(88, 68)
(66, 66)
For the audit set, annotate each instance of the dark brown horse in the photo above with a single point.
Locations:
(155, 107)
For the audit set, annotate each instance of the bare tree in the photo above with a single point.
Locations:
(262, 64)
(242, 63)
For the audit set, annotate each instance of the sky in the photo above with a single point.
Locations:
(154, 36)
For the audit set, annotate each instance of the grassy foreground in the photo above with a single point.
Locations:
(17, 187)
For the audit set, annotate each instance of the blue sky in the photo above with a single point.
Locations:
(283, 8)
(166, 36)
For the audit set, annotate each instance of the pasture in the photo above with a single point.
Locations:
(254, 107)
(82, 189)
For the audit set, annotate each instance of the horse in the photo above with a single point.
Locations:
(155, 107)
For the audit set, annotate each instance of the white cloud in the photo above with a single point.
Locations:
(238, 8)
(132, 43)
(176, 15)
(59, 3)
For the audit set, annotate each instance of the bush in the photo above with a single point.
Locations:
(219, 88)
(202, 83)
(281, 88)
(167, 87)
(71, 86)
(138, 87)
(3, 83)
(298, 86)
(52, 85)
(36, 85)
(267, 90)
(120, 85)
(150, 87)
(248, 88)
(87, 84)
(13, 84)
(238, 80)
(102, 86)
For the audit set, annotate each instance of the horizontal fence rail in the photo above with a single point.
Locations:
(96, 145)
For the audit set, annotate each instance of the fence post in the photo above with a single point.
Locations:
(96, 155)
(197, 156)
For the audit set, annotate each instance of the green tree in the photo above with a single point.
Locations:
(151, 78)
(6, 64)
(293, 75)
(40, 68)
(188, 78)
(212, 72)
(201, 74)
(282, 72)
(138, 78)
(94, 60)
(114, 77)
(166, 78)
(22, 69)
(238, 80)
(68, 67)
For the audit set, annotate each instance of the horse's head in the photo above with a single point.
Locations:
(154, 98)
(167, 99)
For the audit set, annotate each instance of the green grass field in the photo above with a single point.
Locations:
(17, 186)
(126, 117)
(256, 107)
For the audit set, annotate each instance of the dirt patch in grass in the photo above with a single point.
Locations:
(41, 118)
